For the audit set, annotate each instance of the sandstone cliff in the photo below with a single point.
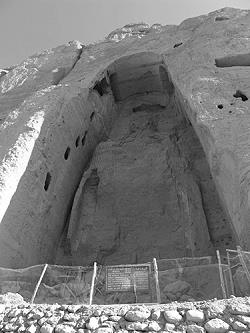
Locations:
(130, 148)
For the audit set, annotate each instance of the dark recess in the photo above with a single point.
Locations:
(84, 138)
(77, 141)
(220, 106)
(242, 59)
(47, 181)
(92, 116)
(239, 94)
(102, 87)
(66, 154)
(221, 18)
(177, 44)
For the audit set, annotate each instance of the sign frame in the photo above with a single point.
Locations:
(147, 267)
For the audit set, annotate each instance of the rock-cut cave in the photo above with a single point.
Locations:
(116, 174)
(132, 150)
(146, 188)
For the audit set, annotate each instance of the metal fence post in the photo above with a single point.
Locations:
(230, 273)
(92, 284)
(242, 261)
(221, 275)
(38, 283)
(156, 276)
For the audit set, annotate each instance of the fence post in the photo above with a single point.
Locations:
(92, 284)
(230, 273)
(243, 264)
(221, 275)
(134, 287)
(38, 283)
(156, 276)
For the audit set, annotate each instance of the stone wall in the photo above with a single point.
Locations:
(232, 315)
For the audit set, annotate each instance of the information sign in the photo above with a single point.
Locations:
(127, 277)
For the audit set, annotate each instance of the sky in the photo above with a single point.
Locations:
(29, 26)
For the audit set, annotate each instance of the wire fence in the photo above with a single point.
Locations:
(21, 281)
(165, 264)
(193, 283)
(238, 272)
(65, 285)
(159, 281)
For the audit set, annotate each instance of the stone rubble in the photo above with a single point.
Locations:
(216, 325)
(174, 317)
(195, 329)
(195, 315)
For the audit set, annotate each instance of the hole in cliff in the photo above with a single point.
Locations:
(221, 18)
(66, 154)
(239, 94)
(242, 59)
(177, 44)
(47, 181)
(84, 138)
(151, 148)
(102, 87)
(77, 141)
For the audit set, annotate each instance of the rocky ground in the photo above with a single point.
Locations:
(232, 315)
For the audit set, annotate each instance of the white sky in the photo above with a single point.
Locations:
(28, 26)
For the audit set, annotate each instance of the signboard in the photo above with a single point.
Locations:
(127, 277)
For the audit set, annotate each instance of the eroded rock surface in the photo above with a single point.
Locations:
(138, 30)
(36, 73)
(165, 118)
(142, 197)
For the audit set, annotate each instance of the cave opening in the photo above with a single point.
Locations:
(239, 94)
(47, 181)
(241, 59)
(66, 154)
(155, 196)
(102, 86)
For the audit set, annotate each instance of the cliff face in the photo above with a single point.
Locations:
(119, 151)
